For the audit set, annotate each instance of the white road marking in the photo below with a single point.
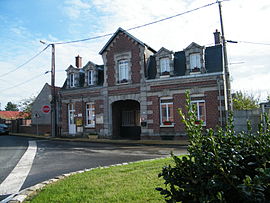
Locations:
(14, 181)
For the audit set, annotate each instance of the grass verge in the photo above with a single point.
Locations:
(135, 182)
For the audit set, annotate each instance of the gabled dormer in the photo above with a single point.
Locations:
(72, 77)
(194, 54)
(164, 62)
(75, 75)
(91, 73)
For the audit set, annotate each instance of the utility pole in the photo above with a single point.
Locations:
(53, 93)
(53, 101)
(226, 74)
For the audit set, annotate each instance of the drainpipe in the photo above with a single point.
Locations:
(220, 104)
(83, 115)
(263, 118)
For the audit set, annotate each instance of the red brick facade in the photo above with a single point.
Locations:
(121, 44)
(135, 106)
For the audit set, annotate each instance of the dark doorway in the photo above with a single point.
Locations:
(126, 120)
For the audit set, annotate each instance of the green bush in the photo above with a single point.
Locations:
(222, 166)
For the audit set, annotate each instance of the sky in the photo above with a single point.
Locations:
(24, 23)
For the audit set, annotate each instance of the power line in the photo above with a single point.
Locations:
(139, 26)
(170, 17)
(109, 34)
(258, 43)
(22, 83)
(100, 36)
(32, 58)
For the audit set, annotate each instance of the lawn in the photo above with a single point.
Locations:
(135, 182)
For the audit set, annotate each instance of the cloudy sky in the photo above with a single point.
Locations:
(24, 23)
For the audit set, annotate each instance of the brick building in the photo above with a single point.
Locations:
(136, 93)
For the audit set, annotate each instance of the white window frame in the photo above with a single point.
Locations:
(197, 102)
(167, 112)
(195, 61)
(71, 112)
(72, 80)
(90, 114)
(90, 75)
(164, 65)
(123, 69)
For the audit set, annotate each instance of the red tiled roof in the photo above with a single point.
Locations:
(10, 115)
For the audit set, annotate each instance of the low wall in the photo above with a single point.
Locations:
(241, 117)
(41, 129)
(22, 126)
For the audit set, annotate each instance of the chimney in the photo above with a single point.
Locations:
(78, 61)
(217, 37)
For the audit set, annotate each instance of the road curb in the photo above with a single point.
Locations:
(33, 190)
(175, 143)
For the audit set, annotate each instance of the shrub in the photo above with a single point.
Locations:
(222, 166)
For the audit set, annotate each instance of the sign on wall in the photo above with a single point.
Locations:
(99, 119)
(46, 109)
(79, 122)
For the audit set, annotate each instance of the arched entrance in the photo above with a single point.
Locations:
(126, 119)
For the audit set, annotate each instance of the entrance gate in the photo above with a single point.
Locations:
(126, 119)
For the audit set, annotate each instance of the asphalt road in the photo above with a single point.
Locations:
(53, 158)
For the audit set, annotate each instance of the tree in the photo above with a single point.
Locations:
(11, 107)
(26, 106)
(244, 101)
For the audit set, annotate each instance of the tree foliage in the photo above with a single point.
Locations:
(221, 166)
(26, 106)
(11, 107)
(244, 101)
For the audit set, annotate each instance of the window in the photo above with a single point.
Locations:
(195, 61)
(71, 80)
(123, 71)
(90, 77)
(165, 66)
(166, 112)
(201, 112)
(90, 115)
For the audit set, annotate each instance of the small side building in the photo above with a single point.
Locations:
(41, 110)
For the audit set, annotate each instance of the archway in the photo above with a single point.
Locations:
(126, 119)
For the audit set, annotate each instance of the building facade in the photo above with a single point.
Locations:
(41, 117)
(137, 92)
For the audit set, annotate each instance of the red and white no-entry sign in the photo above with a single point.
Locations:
(46, 109)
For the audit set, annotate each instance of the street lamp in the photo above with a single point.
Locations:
(53, 93)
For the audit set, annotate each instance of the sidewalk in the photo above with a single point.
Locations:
(182, 142)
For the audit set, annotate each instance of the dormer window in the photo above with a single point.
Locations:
(165, 66)
(195, 62)
(90, 77)
(123, 71)
(194, 59)
(71, 80)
